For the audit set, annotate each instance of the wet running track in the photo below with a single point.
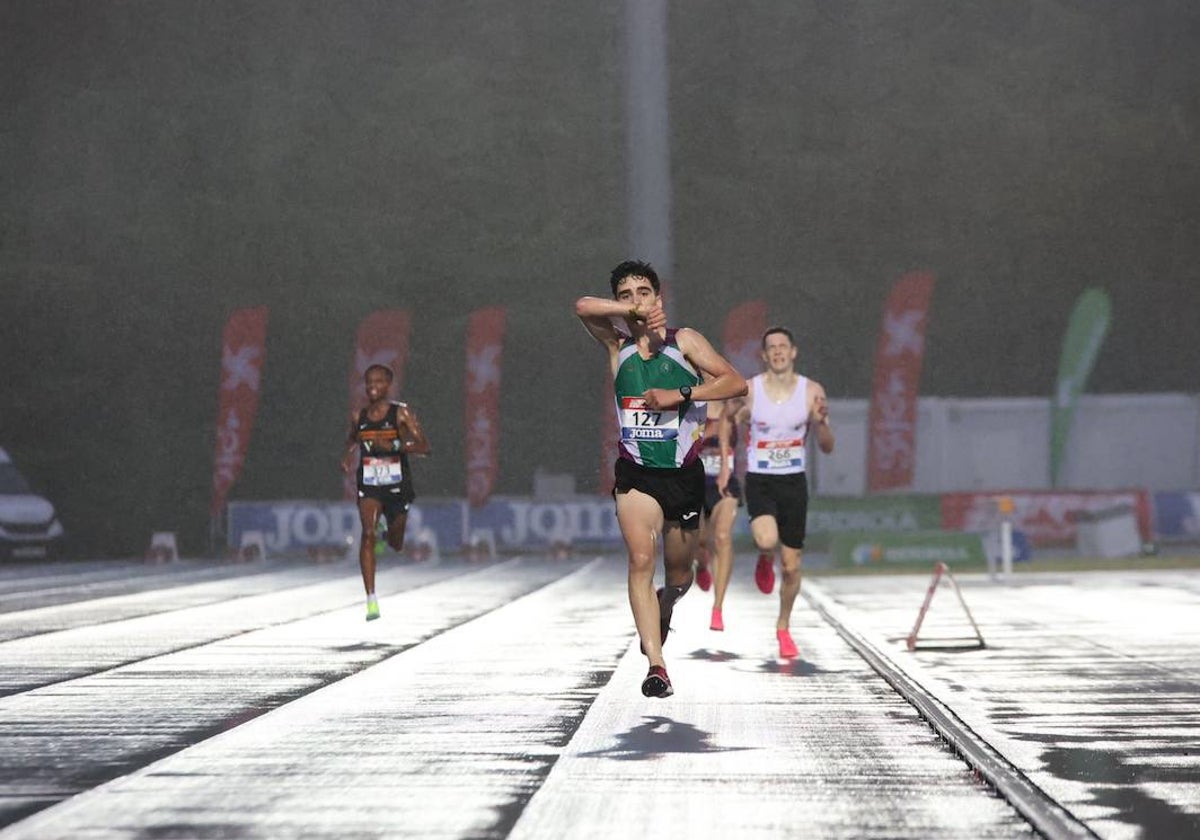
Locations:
(501, 700)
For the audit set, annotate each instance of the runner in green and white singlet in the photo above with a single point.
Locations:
(659, 438)
(661, 380)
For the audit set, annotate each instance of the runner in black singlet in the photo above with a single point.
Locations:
(382, 435)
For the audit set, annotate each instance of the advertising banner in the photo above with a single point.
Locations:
(1081, 344)
(515, 523)
(485, 348)
(741, 344)
(1177, 517)
(1048, 517)
(741, 337)
(899, 354)
(828, 516)
(382, 340)
(883, 548)
(292, 527)
(520, 523)
(243, 350)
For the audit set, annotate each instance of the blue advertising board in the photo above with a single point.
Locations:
(515, 523)
(1177, 516)
(521, 522)
(292, 527)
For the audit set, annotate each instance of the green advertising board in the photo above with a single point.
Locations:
(906, 513)
(887, 548)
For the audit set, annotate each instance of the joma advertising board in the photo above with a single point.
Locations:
(514, 523)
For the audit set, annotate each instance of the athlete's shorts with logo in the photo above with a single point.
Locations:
(395, 499)
(712, 495)
(784, 497)
(679, 492)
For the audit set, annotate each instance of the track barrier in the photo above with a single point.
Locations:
(163, 547)
(253, 547)
(425, 546)
(481, 545)
(940, 571)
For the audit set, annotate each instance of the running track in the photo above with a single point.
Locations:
(501, 700)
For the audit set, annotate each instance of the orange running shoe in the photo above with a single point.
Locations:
(717, 623)
(764, 573)
(787, 647)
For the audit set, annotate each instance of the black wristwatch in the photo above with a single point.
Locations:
(686, 392)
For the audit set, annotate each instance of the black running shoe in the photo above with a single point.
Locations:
(657, 683)
(664, 619)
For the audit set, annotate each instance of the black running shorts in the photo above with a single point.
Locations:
(395, 499)
(784, 497)
(712, 495)
(679, 492)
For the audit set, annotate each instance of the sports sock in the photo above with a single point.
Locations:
(670, 594)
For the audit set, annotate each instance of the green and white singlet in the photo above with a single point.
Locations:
(653, 438)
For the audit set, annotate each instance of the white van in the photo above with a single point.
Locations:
(29, 527)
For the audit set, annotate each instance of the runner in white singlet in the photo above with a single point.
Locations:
(781, 409)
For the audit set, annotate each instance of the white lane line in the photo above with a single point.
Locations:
(1090, 686)
(65, 738)
(55, 656)
(753, 747)
(36, 618)
(445, 740)
(1049, 817)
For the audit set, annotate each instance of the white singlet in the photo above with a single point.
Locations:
(777, 430)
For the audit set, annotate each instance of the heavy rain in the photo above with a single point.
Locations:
(245, 594)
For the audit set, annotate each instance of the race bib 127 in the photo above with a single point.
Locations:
(640, 422)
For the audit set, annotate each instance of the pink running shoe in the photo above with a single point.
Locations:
(704, 578)
(717, 623)
(787, 647)
(764, 573)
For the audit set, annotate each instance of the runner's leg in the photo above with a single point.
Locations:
(679, 549)
(368, 515)
(721, 523)
(789, 587)
(395, 534)
(765, 531)
(641, 521)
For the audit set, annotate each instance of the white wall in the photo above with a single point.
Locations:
(1117, 441)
